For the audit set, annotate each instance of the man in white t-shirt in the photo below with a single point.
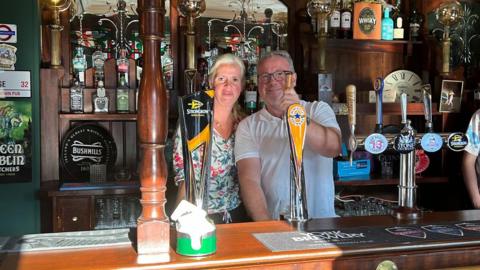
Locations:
(471, 162)
(262, 150)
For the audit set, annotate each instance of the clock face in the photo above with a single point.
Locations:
(402, 81)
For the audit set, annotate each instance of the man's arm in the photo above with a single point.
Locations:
(470, 178)
(323, 140)
(252, 194)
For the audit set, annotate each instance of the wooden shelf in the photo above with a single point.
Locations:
(376, 41)
(394, 109)
(51, 188)
(372, 181)
(366, 44)
(99, 116)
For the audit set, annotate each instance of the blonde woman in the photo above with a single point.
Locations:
(227, 78)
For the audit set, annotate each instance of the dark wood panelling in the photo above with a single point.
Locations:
(49, 107)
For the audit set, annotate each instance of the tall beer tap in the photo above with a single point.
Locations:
(378, 87)
(431, 142)
(405, 142)
(351, 105)
(376, 143)
(296, 121)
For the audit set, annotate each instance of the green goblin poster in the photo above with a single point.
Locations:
(15, 141)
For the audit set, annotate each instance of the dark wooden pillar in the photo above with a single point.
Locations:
(153, 225)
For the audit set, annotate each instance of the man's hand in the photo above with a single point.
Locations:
(289, 97)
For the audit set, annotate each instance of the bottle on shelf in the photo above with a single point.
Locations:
(167, 66)
(387, 25)
(346, 19)
(139, 67)
(335, 21)
(202, 73)
(98, 62)
(76, 98)
(252, 73)
(79, 63)
(415, 21)
(250, 98)
(398, 21)
(100, 101)
(261, 103)
(123, 65)
(122, 100)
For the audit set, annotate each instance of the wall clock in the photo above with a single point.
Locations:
(402, 81)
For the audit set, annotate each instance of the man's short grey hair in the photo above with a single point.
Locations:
(226, 59)
(284, 54)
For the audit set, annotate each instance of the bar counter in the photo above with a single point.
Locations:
(239, 249)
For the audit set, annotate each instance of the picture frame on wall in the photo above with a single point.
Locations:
(451, 96)
(325, 87)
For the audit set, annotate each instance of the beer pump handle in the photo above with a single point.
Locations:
(403, 106)
(427, 103)
(378, 86)
(351, 104)
(288, 81)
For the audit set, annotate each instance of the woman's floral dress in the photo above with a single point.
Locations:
(223, 195)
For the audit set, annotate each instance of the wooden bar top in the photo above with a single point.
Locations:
(238, 248)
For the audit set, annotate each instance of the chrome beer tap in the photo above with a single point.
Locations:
(405, 145)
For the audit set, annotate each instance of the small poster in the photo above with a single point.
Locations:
(15, 141)
(451, 96)
(14, 83)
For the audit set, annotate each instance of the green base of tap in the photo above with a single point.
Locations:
(208, 245)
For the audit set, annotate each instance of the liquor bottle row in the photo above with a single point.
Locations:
(363, 20)
(126, 62)
(119, 100)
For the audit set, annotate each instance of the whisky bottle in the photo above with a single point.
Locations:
(346, 19)
(122, 96)
(100, 102)
(123, 65)
(139, 69)
(79, 63)
(335, 21)
(398, 22)
(167, 67)
(415, 22)
(202, 73)
(251, 98)
(98, 62)
(76, 98)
